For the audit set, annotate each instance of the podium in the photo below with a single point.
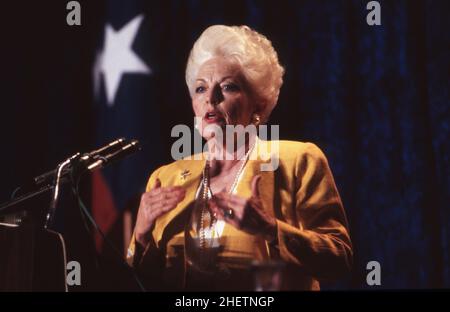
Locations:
(32, 258)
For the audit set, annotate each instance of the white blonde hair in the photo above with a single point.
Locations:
(252, 50)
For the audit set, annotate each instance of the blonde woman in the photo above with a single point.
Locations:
(203, 223)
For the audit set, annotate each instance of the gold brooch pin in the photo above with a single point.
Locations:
(184, 174)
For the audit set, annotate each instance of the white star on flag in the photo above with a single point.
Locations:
(117, 58)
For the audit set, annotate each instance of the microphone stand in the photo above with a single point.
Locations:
(61, 174)
(12, 206)
(52, 209)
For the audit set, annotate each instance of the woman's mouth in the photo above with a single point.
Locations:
(212, 117)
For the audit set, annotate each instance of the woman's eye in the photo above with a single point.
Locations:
(200, 89)
(230, 87)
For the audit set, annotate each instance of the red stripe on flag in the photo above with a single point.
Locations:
(103, 207)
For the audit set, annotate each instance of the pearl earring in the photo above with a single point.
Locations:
(256, 119)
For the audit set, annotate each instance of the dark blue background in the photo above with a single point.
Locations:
(374, 98)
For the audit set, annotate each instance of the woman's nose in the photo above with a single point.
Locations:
(215, 95)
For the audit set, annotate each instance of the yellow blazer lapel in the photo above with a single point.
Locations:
(243, 189)
(187, 175)
(244, 243)
(258, 159)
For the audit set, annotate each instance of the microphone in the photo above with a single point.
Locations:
(77, 163)
(93, 155)
(126, 150)
(100, 162)
(105, 150)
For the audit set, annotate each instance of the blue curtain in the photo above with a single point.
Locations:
(374, 98)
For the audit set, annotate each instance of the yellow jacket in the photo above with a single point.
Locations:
(313, 240)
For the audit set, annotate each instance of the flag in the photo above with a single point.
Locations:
(125, 106)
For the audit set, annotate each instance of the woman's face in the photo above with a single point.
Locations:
(221, 96)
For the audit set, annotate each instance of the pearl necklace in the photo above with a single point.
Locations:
(206, 189)
(241, 169)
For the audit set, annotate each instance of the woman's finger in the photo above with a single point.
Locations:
(171, 201)
(169, 189)
(163, 194)
(160, 210)
(223, 214)
(226, 196)
(163, 201)
(216, 211)
(228, 209)
(233, 200)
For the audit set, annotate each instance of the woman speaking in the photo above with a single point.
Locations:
(210, 221)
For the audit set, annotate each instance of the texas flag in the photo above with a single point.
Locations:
(125, 106)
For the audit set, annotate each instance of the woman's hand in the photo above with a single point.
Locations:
(155, 203)
(246, 214)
